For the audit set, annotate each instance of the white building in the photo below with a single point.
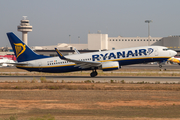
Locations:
(98, 41)
(102, 41)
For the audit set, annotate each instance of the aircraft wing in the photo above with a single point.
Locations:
(81, 64)
(84, 64)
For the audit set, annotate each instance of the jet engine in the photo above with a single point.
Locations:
(107, 66)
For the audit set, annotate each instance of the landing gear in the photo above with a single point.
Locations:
(160, 66)
(94, 73)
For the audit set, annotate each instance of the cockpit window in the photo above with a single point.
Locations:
(165, 49)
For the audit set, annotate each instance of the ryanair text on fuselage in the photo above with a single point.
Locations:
(122, 54)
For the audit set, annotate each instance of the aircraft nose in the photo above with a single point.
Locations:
(173, 53)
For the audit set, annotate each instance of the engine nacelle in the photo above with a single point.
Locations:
(107, 66)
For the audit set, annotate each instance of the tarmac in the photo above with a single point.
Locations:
(166, 69)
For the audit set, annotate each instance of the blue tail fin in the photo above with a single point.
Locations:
(21, 50)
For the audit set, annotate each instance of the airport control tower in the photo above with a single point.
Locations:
(24, 27)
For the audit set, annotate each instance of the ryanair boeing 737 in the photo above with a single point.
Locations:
(104, 60)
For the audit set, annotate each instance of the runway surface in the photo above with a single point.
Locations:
(154, 66)
(95, 79)
(107, 78)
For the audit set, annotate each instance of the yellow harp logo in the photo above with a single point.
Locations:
(20, 48)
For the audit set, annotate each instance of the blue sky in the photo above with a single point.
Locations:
(54, 20)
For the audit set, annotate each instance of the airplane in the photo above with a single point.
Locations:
(76, 51)
(5, 62)
(103, 60)
(10, 57)
(175, 60)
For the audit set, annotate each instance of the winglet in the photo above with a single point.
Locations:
(60, 54)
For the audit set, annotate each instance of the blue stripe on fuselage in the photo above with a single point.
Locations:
(56, 69)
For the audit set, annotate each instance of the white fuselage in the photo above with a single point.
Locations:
(122, 56)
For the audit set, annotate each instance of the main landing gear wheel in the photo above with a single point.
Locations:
(160, 66)
(94, 73)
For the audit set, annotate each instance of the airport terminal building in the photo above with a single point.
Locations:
(98, 41)
(104, 42)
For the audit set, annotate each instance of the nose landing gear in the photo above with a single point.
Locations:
(94, 73)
